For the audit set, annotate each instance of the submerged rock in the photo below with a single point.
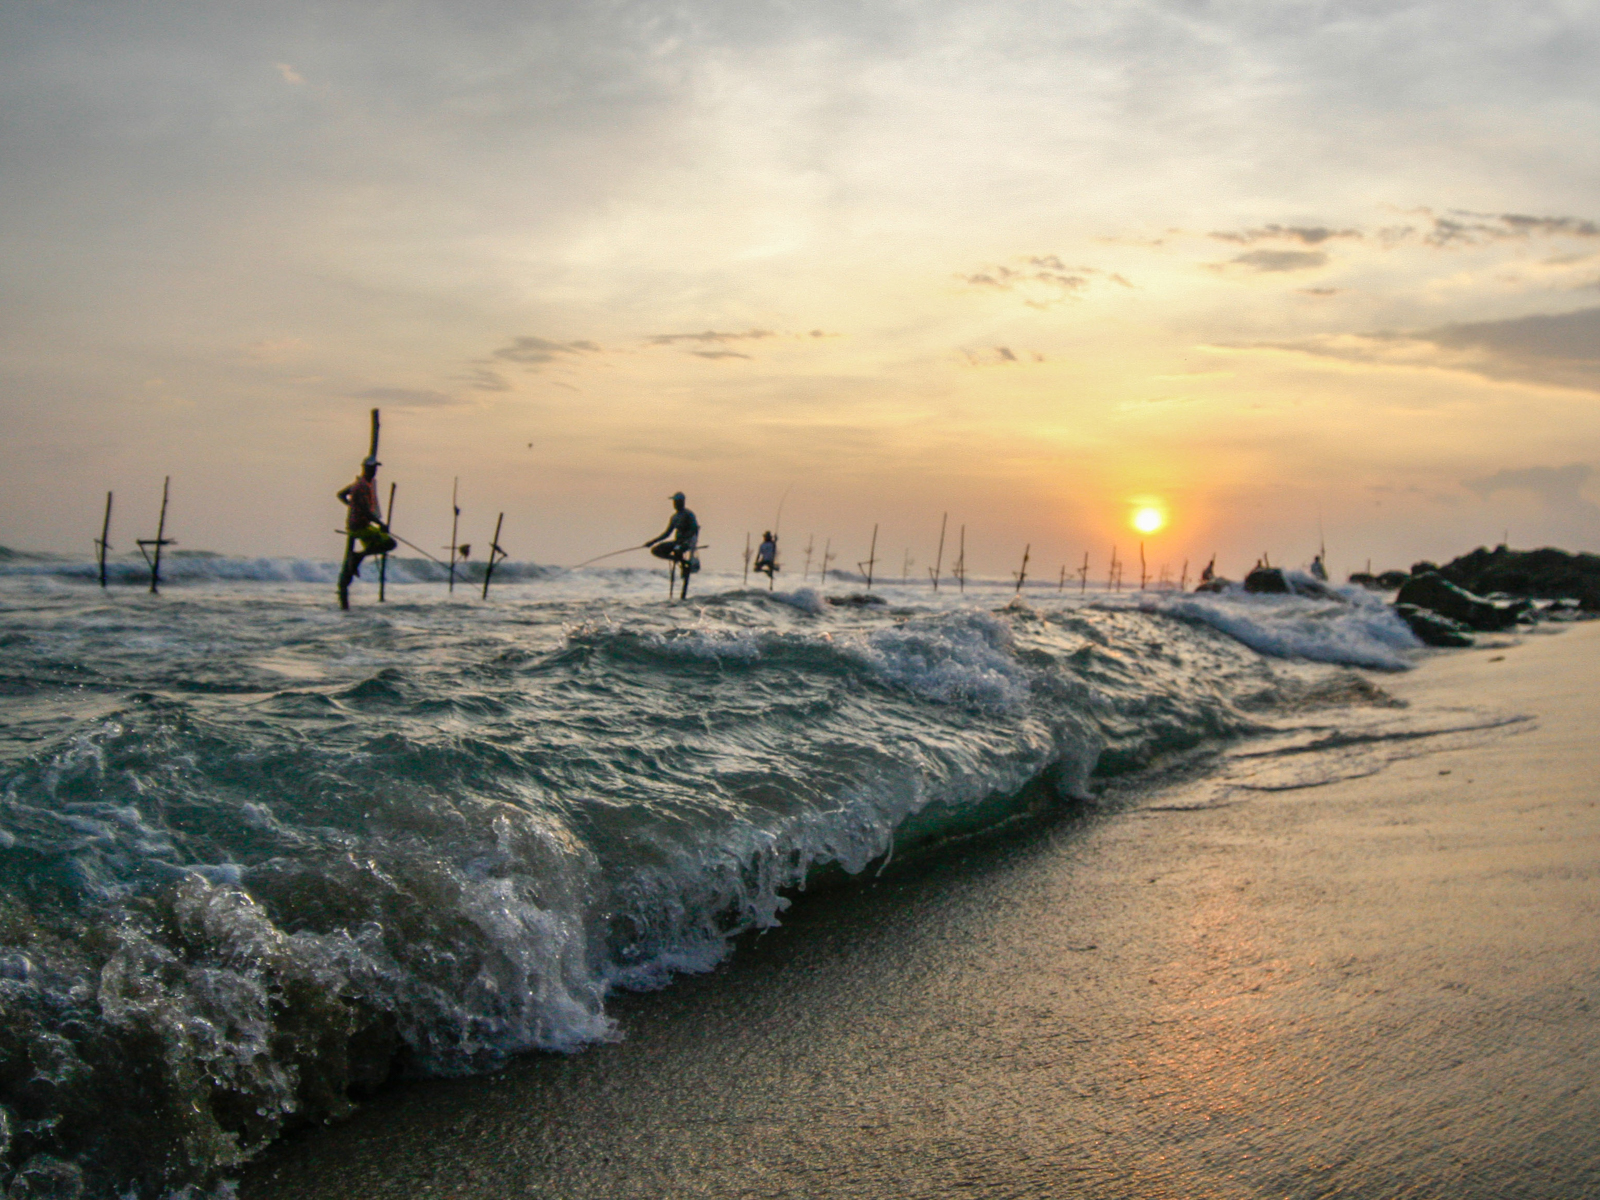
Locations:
(1439, 595)
(1433, 629)
(1218, 584)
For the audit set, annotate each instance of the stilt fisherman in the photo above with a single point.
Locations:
(683, 530)
(364, 525)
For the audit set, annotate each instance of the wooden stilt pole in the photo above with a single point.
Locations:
(1083, 574)
(827, 559)
(872, 558)
(746, 558)
(161, 539)
(1144, 576)
(1062, 586)
(495, 554)
(938, 563)
(960, 569)
(455, 523)
(101, 544)
(383, 563)
(1183, 580)
(1111, 572)
(1022, 575)
(810, 541)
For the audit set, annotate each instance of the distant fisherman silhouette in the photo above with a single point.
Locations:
(363, 522)
(684, 532)
(1318, 571)
(1210, 572)
(767, 555)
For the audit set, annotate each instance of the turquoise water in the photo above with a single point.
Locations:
(256, 853)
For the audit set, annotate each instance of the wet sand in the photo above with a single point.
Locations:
(1381, 987)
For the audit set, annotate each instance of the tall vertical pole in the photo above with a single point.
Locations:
(938, 563)
(810, 541)
(495, 554)
(827, 558)
(1143, 574)
(1111, 571)
(103, 545)
(161, 539)
(872, 558)
(383, 563)
(1083, 574)
(1183, 580)
(960, 570)
(1022, 575)
(1062, 585)
(455, 522)
(746, 558)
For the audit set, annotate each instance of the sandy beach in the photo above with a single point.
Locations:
(1380, 986)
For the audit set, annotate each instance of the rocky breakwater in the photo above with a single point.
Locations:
(1546, 574)
(1442, 614)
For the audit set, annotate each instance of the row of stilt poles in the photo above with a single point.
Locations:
(102, 544)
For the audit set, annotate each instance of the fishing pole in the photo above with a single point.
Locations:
(414, 546)
(613, 554)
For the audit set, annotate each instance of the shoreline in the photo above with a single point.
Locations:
(1376, 986)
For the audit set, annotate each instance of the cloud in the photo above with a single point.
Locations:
(404, 397)
(1266, 262)
(482, 379)
(1560, 350)
(1559, 489)
(711, 335)
(718, 354)
(1464, 228)
(1320, 291)
(1046, 281)
(1306, 235)
(290, 75)
(537, 351)
(1000, 356)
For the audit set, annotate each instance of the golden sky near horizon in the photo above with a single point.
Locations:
(1036, 265)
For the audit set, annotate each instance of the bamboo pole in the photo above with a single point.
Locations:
(495, 554)
(1022, 575)
(872, 558)
(1062, 586)
(1111, 571)
(960, 569)
(455, 523)
(161, 539)
(746, 558)
(938, 563)
(1183, 580)
(383, 563)
(101, 544)
(810, 541)
(1083, 574)
(827, 557)
(1144, 576)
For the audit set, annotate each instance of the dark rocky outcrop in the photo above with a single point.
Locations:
(1390, 580)
(1268, 581)
(1433, 629)
(1437, 594)
(1219, 584)
(1546, 574)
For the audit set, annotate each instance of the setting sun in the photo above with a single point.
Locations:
(1148, 520)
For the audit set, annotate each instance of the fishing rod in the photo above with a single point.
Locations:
(414, 546)
(613, 554)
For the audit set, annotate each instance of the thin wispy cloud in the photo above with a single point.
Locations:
(404, 397)
(1554, 350)
(1041, 280)
(538, 351)
(711, 336)
(1306, 235)
(1270, 262)
(1559, 489)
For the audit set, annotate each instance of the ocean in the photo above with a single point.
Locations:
(258, 855)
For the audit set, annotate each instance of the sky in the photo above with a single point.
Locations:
(1287, 272)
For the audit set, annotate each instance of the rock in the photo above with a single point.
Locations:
(1546, 574)
(1362, 579)
(1391, 580)
(1268, 581)
(1433, 629)
(1439, 595)
(46, 1178)
(856, 600)
(1217, 584)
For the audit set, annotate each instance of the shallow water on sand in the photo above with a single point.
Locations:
(1379, 986)
(255, 853)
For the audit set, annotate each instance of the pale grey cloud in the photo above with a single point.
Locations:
(711, 336)
(718, 354)
(1559, 489)
(537, 351)
(1273, 261)
(1306, 235)
(1043, 280)
(1559, 349)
